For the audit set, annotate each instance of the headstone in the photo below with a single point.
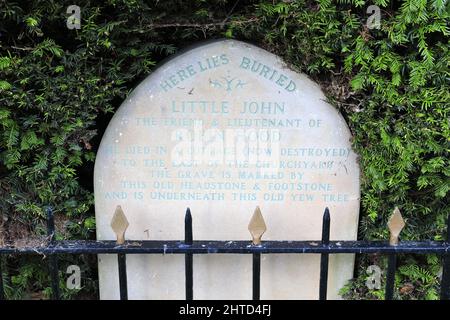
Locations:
(224, 128)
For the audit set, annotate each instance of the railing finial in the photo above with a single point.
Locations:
(119, 224)
(257, 226)
(188, 238)
(50, 224)
(395, 225)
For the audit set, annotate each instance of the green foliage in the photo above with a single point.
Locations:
(391, 84)
(32, 281)
(412, 281)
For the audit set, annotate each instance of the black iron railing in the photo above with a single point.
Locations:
(189, 247)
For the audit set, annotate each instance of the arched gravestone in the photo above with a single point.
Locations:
(223, 128)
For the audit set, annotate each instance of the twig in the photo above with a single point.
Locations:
(22, 48)
(229, 13)
(196, 25)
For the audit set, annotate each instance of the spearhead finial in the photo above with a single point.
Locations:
(395, 225)
(257, 226)
(119, 224)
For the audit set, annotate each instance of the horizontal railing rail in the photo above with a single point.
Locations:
(230, 247)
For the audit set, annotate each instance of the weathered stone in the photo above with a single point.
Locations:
(223, 128)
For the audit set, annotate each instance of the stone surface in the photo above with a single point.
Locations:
(223, 128)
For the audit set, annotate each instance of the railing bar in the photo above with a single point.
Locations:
(324, 257)
(188, 258)
(2, 292)
(256, 276)
(445, 282)
(53, 259)
(122, 264)
(390, 277)
(53, 262)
